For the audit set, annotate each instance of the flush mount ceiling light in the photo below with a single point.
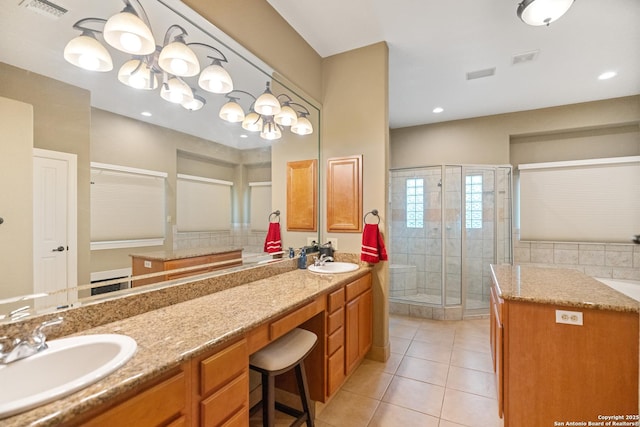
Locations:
(438, 110)
(542, 12)
(607, 75)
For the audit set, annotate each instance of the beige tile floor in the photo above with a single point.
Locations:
(439, 375)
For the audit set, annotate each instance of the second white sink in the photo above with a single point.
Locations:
(334, 268)
(68, 365)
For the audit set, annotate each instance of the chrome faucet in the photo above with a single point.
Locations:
(320, 261)
(19, 348)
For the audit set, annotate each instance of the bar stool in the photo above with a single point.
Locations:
(280, 356)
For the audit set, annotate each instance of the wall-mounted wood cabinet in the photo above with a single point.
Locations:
(344, 194)
(302, 195)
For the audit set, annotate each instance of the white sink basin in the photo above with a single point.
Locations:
(68, 365)
(333, 268)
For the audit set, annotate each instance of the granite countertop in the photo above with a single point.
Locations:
(558, 287)
(186, 253)
(171, 335)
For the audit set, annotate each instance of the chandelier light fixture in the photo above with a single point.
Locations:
(172, 64)
(267, 114)
(130, 32)
(542, 12)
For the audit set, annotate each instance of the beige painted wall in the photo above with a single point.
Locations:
(61, 123)
(485, 140)
(355, 121)
(16, 176)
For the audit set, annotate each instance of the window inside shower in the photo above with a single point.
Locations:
(449, 224)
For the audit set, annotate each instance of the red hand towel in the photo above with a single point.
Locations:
(272, 243)
(373, 249)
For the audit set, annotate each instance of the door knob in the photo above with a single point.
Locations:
(58, 249)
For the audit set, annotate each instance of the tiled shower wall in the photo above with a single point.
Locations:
(422, 248)
(606, 260)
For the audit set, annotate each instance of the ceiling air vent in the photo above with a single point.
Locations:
(524, 57)
(479, 74)
(44, 7)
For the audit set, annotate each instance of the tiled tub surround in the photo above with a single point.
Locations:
(607, 260)
(184, 330)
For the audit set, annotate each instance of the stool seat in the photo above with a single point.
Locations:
(285, 351)
(284, 354)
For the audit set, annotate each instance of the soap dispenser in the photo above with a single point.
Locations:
(302, 260)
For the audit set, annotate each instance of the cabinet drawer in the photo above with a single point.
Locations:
(292, 320)
(220, 368)
(335, 300)
(335, 320)
(226, 402)
(335, 341)
(151, 407)
(359, 286)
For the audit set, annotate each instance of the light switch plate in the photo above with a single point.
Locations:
(569, 317)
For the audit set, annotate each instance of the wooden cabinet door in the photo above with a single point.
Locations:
(351, 335)
(302, 200)
(365, 327)
(498, 360)
(344, 194)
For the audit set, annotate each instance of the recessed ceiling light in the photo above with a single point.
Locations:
(244, 135)
(438, 110)
(607, 75)
(146, 114)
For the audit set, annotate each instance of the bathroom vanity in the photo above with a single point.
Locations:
(154, 262)
(564, 347)
(191, 366)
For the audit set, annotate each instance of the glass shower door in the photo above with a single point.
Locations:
(452, 234)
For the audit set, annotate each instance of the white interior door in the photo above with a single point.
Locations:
(54, 226)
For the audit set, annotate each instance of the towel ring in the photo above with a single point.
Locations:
(276, 213)
(374, 213)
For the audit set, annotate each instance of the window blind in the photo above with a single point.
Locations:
(260, 205)
(204, 204)
(594, 200)
(127, 207)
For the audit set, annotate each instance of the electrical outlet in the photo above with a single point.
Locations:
(147, 264)
(569, 317)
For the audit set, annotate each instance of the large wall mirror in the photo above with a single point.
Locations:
(125, 149)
